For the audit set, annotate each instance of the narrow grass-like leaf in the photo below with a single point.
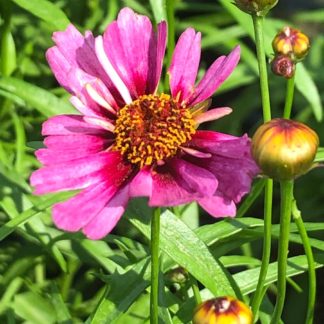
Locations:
(45, 10)
(158, 8)
(11, 225)
(33, 308)
(247, 280)
(44, 101)
(62, 312)
(183, 246)
(122, 292)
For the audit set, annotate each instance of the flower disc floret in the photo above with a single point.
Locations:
(152, 128)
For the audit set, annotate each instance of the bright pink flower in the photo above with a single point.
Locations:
(131, 141)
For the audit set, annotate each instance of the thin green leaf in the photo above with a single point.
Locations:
(158, 8)
(44, 101)
(183, 246)
(11, 225)
(247, 280)
(45, 10)
(62, 312)
(122, 292)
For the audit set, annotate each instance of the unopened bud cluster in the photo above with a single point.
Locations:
(256, 7)
(284, 149)
(222, 310)
(290, 46)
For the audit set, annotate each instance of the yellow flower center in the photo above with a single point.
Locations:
(152, 128)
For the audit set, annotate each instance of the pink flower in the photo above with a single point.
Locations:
(130, 140)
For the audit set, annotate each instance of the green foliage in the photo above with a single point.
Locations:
(47, 276)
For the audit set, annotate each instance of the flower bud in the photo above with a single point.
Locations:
(284, 66)
(290, 41)
(258, 7)
(222, 310)
(284, 149)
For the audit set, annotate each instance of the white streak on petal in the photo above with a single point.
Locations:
(98, 99)
(212, 114)
(115, 78)
(196, 153)
(100, 122)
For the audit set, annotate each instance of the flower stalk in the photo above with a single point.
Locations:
(289, 97)
(286, 194)
(259, 40)
(155, 239)
(259, 292)
(311, 263)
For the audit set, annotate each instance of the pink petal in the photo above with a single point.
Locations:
(222, 144)
(82, 172)
(79, 82)
(73, 174)
(78, 51)
(70, 147)
(69, 125)
(135, 51)
(108, 217)
(76, 212)
(212, 114)
(180, 182)
(60, 67)
(156, 55)
(184, 65)
(72, 142)
(196, 153)
(217, 206)
(141, 185)
(215, 76)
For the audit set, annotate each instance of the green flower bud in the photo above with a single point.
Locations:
(222, 310)
(258, 7)
(284, 149)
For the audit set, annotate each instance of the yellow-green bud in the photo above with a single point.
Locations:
(284, 66)
(292, 42)
(284, 149)
(222, 310)
(256, 7)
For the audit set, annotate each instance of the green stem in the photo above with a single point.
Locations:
(155, 233)
(289, 97)
(286, 192)
(258, 295)
(196, 290)
(169, 5)
(311, 264)
(259, 42)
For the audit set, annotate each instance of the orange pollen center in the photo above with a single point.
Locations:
(152, 128)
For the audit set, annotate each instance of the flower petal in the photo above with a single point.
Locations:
(179, 182)
(218, 206)
(141, 185)
(108, 217)
(74, 174)
(82, 172)
(73, 50)
(76, 212)
(156, 56)
(215, 76)
(184, 65)
(135, 51)
(212, 114)
(70, 124)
